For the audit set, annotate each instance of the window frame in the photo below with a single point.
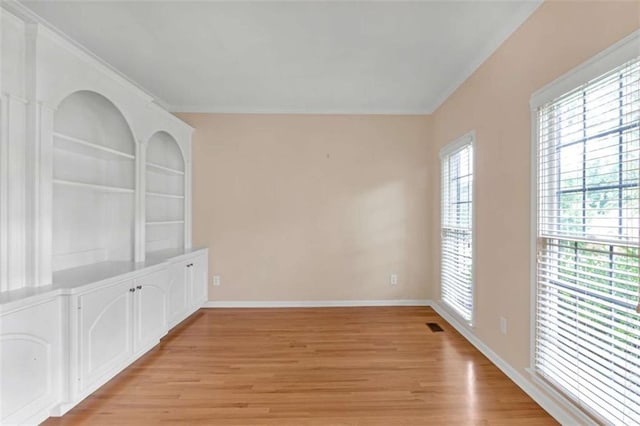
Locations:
(452, 147)
(619, 53)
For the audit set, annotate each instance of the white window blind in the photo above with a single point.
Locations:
(456, 227)
(587, 341)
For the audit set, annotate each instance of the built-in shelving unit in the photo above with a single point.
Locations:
(94, 167)
(165, 194)
(78, 300)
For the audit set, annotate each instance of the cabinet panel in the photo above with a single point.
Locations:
(29, 362)
(178, 293)
(151, 309)
(199, 280)
(105, 329)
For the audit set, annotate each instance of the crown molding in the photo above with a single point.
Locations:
(302, 111)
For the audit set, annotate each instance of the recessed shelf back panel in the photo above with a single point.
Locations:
(164, 209)
(96, 170)
(165, 194)
(93, 183)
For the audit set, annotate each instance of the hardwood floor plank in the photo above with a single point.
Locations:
(324, 366)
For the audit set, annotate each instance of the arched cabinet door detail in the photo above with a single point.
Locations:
(165, 194)
(29, 361)
(94, 176)
(105, 332)
(26, 368)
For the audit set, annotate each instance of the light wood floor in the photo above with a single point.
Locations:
(332, 366)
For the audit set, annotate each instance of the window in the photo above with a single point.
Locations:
(587, 330)
(457, 226)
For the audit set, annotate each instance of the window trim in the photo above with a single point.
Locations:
(468, 138)
(617, 54)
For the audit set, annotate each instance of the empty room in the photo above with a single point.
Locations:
(320, 212)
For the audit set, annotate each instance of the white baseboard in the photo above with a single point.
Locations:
(316, 303)
(562, 413)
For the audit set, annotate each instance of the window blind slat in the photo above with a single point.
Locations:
(587, 340)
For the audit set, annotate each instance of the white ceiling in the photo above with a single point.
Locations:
(296, 56)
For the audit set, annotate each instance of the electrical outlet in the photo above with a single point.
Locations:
(216, 280)
(393, 279)
(503, 325)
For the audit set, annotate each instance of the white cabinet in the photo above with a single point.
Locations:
(199, 280)
(30, 361)
(59, 345)
(179, 297)
(116, 323)
(188, 286)
(105, 333)
(150, 310)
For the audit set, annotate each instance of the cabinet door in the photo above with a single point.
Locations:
(178, 293)
(150, 310)
(30, 361)
(105, 327)
(199, 279)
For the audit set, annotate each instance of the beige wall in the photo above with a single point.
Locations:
(312, 207)
(494, 102)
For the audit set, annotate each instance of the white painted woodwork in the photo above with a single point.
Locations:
(13, 152)
(98, 322)
(179, 293)
(30, 357)
(105, 325)
(188, 285)
(199, 280)
(95, 222)
(93, 183)
(150, 309)
(165, 189)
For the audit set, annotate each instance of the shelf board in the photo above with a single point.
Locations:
(167, 170)
(163, 195)
(83, 147)
(165, 222)
(91, 186)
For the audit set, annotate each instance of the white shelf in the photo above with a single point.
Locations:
(162, 169)
(80, 146)
(165, 222)
(90, 186)
(163, 195)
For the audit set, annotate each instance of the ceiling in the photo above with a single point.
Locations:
(296, 56)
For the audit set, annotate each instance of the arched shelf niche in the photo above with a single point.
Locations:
(94, 175)
(165, 194)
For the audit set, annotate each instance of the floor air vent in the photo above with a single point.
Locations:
(434, 327)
